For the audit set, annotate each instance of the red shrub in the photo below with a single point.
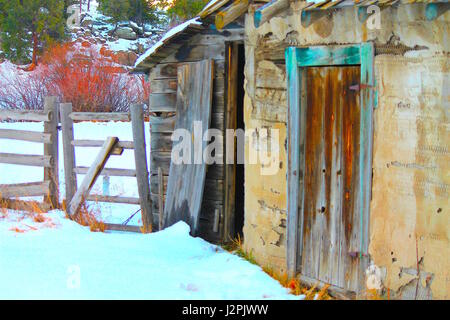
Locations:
(78, 73)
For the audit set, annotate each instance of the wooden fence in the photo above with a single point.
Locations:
(48, 188)
(112, 146)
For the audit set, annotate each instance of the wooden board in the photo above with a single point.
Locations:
(33, 189)
(100, 116)
(19, 115)
(186, 181)
(23, 135)
(26, 160)
(331, 181)
(91, 176)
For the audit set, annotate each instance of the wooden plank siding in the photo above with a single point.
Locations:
(331, 206)
(163, 78)
(186, 180)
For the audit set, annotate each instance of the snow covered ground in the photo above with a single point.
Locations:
(59, 259)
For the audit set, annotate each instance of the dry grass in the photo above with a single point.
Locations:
(236, 247)
(88, 216)
(24, 210)
(297, 288)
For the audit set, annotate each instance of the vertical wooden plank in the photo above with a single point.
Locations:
(293, 168)
(140, 158)
(349, 236)
(52, 174)
(68, 151)
(231, 65)
(161, 198)
(91, 176)
(186, 181)
(336, 193)
(314, 190)
(367, 102)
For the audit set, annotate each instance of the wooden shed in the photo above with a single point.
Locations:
(358, 92)
(185, 48)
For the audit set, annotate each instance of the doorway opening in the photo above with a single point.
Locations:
(234, 119)
(240, 173)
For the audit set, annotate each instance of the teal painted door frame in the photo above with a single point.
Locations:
(297, 59)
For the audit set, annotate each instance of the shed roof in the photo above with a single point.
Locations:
(176, 37)
(179, 35)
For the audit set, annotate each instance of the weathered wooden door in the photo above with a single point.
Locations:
(331, 226)
(186, 180)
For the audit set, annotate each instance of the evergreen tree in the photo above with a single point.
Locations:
(186, 9)
(139, 11)
(117, 10)
(142, 11)
(28, 26)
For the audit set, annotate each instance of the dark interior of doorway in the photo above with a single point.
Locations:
(239, 181)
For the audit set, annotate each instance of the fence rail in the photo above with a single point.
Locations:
(18, 115)
(54, 114)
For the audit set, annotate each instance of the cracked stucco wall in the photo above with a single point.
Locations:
(409, 225)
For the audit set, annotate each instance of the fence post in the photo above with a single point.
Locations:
(51, 149)
(161, 198)
(69, 151)
(140, 158)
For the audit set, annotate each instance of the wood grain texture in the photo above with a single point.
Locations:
(161, 198)
(186, 181)
(111, 172)
(51, 106)
(26, 160)
(70, 177)
(140, 159)
(293, 252)
(17, 115)
(99, 143)
(23, 135)
(33, 189)
(113, 199)
(231, 13)
(89, 180)
(100, 116)
(266, 12)
(331, 194)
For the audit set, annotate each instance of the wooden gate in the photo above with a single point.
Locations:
(331, 100)
(112, 146)
(49, 187)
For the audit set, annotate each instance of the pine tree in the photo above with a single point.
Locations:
(28, 26)
(186, 9)
(142, 11)
(117, 10)
(139, 11)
